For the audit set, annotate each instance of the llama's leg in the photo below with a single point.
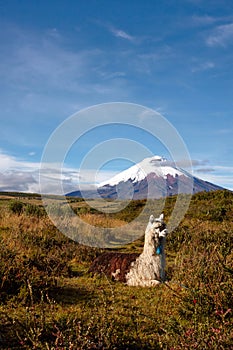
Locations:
(154, 283)
(143, 283)
(149, 283)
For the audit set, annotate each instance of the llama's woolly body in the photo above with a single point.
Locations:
(149, 267)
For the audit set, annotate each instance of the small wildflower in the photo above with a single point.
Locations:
(216, 330)
(194, 301)
(227, 312)
(219, 312)
(189, 332)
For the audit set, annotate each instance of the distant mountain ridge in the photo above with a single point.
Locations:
(153, 177)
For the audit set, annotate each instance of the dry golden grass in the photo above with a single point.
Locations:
(102, 220)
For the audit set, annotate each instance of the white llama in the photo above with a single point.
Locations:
(149, 267)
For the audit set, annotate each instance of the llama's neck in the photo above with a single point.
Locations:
(151, 242)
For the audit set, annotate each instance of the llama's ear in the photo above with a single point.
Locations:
(161, 217)
(151, 219)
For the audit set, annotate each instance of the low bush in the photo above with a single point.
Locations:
(35, 210)
(16, 207)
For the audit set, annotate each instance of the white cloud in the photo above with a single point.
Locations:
(9, 163)
(119, 33)
(17, 174)
(32, 153)
(54, 180)
(20, 175)
(221, 36)
(23, 176)
(19, 181)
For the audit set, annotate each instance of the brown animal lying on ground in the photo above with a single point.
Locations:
(113, 265)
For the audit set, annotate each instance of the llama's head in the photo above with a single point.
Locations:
(157, 225)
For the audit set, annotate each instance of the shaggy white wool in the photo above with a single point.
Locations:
(149, 267)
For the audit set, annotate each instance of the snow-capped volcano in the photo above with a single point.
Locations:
(153, 177)
(138, 172)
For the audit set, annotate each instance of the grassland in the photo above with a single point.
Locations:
(49, 300)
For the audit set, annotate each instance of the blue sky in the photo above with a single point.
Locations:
(58, 57)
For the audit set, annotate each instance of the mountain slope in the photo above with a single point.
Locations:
(152, 178)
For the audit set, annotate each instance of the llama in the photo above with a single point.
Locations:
(149, 267)
(146, 269)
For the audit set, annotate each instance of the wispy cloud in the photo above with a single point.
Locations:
(119, 33)
(9, 162)
(205, 170)
(184, 163)
(204, 20)
(113, 75)
(152, 59)
(48, 63)
(203, 66)
(219, 175)
(116, 32)
(224, 131)
(221, 36)
(216, 174)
